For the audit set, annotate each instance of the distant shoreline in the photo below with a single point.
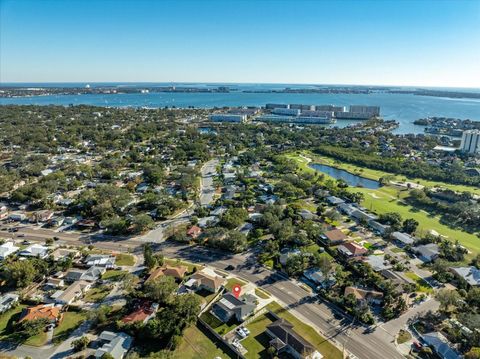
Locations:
(29, 91)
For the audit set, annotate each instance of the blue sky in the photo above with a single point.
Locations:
(404, 42)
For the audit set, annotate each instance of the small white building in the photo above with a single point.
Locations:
(35, 250)
(7, 249)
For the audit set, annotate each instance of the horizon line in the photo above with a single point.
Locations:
(3, 83)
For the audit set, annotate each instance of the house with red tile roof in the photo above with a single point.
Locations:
(42, 311)
(334, 236)
(194, 232)
(367, 295)
(144, 311)
(169, 271)
(352, 249)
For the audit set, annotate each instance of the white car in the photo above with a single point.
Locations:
(246, 331)
(241, 333)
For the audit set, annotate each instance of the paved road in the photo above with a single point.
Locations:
(209, 170)
(323, 316)
(207, 191)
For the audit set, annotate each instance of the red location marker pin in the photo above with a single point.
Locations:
(237, 289)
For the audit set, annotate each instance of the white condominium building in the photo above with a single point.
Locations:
(470, 141)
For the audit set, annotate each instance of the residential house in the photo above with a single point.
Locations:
(100, 260)
(427, 252)
(268, 199)
(17, 217)
(398, 278)
(440, 345)
(142, 188)
(403, 239)
(205, 279)
(56, 221)
(35, 250)
(352, 249)
(229, 307)
(362, 216)
(365, 295)
(218, 211)
(286, 253)
(307, 215)
(285, 339)
(207, 221)
(3, 210)
(317, 277)
(378, 263)
(194, 231)
(229, 177)
(41, 216)
(169, 271)
(334, 236)
(7, 301)
(7, 249)
(335, 201)
(471, 275)
(115, 344)
(144, 311)
(62, 253)
(346, 208)
(92, 274)
(55, 283)
(245, 228)
(42, 311)
(378, 228)
(73, 292)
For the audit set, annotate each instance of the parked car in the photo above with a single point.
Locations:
(240, 333)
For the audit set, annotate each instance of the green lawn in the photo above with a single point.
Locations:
(422, 286)
(70, 321)
(8, 318)
(257, 342)
(403, 336)
(114, 275)
(176, 262)
(260, 293)
(205, 295)
(232, 281)
(217, 325)
(376, 174)
(37, 340)
(195, 344)
(7, 330)
(97, 294)
(326, 348)
(389, 199)
(123, 259)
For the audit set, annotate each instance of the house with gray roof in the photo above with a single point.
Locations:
(334, 200)
(92, 274)
(35, 250)
(427, 252)
(361, 215)
(100, 260)
(378, 263)
(229, 307)
(403, 239)
(379, 228)
(440, 345)
(286, 340)
(115, 344)
(471, 275)
(316, 276)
